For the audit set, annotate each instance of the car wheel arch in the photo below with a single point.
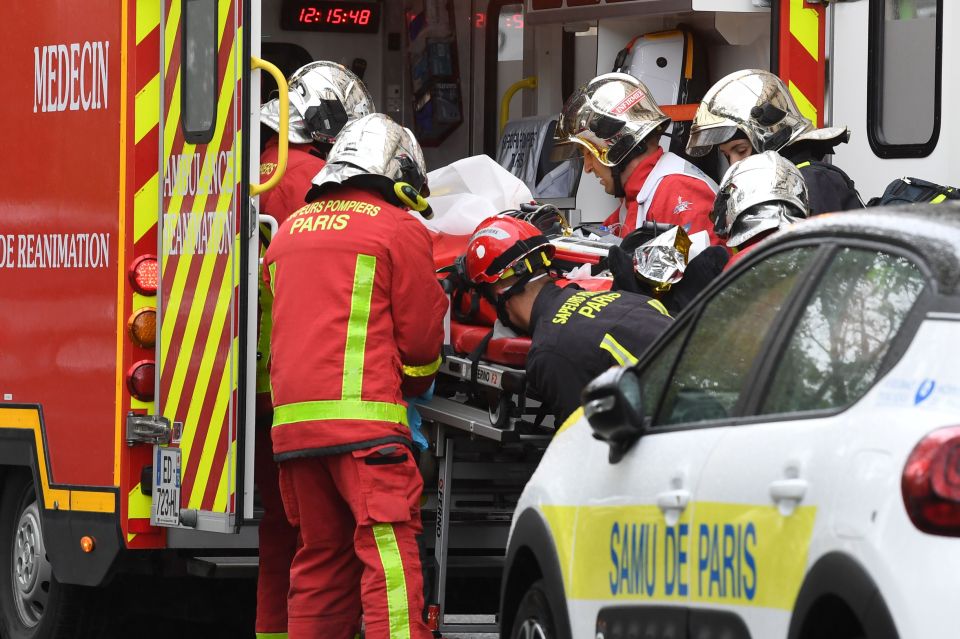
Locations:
(841, 578)
(532, 555)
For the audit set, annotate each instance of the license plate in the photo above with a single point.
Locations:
(166, 487)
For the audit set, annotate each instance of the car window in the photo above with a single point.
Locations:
(654, 376)
(838, 345)
(710, 375)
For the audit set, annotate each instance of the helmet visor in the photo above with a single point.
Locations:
(703, 140)
(757, 220)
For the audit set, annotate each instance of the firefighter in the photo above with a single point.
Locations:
(752, 111)
(317, 90)
(615, 122)
(575, 334)
(324, 97)
(759, 195)
(357, 324)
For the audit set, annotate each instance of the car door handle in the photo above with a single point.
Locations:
(788, 489)
(673, 500)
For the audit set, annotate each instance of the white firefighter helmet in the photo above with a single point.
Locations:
(609, 116)
(759, 193)
(375, 145)
(759, 105)
(324, 97)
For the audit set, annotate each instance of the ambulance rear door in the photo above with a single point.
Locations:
(201, 376)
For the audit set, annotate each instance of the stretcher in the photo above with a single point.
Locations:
(487, 436)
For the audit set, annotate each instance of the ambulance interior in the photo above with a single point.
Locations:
(442, 68)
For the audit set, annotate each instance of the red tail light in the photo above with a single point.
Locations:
(931, 483)
(140, 380)
(144, 274)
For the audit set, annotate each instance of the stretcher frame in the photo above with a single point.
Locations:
(457, 422)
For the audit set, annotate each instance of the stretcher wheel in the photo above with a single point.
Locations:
(500, 410)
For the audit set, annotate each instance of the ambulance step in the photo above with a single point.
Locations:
(223, 567)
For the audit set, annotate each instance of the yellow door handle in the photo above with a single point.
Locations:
(526, 83)
(283, 141)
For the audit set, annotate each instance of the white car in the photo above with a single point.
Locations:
(783, 462)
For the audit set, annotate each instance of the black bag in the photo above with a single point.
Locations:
(908, 190)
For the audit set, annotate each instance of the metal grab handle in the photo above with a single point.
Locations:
(526, 83)
(270, 221)
(283, 141)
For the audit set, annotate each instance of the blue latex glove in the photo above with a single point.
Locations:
(414, 419)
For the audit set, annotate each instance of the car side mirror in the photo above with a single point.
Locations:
(613, 405)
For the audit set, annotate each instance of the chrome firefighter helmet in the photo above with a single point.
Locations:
(759, 193)
(759, 105)
(324, 98)
(609, 116)
(375, 145)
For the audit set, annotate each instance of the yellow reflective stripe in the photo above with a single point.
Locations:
(623, 356)
(570, 421)
(423, 371)
(807, 108)
(937, 200)
(339, 409)
(398, 608)
(356, 345)
(803, 165)
(146, 100)
(805, 27)
(272, 269)
(657, 304)
(148, 19)
(138, 504)
(28, 419)
(272, 635)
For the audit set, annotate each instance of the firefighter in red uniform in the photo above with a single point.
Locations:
(615, 120)
(324, 97)
(357, 324)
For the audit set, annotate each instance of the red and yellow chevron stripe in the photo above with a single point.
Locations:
(145, 80)
(803, 55)
(198, 358)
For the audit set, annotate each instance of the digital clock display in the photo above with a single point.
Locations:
(318, 15)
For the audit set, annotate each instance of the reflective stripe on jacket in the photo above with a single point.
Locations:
(357, 316)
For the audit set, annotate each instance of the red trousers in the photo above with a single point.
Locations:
(358, 515)
(278, 540)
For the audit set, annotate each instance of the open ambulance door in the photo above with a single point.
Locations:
(205, 290)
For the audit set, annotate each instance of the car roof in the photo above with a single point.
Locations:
(932, 231)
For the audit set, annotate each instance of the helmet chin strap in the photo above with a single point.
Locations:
(500, 301)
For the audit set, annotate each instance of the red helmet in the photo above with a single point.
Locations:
(503, 246)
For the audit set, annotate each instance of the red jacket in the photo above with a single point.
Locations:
(679, 199)
(303, 163)
(357, 323)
